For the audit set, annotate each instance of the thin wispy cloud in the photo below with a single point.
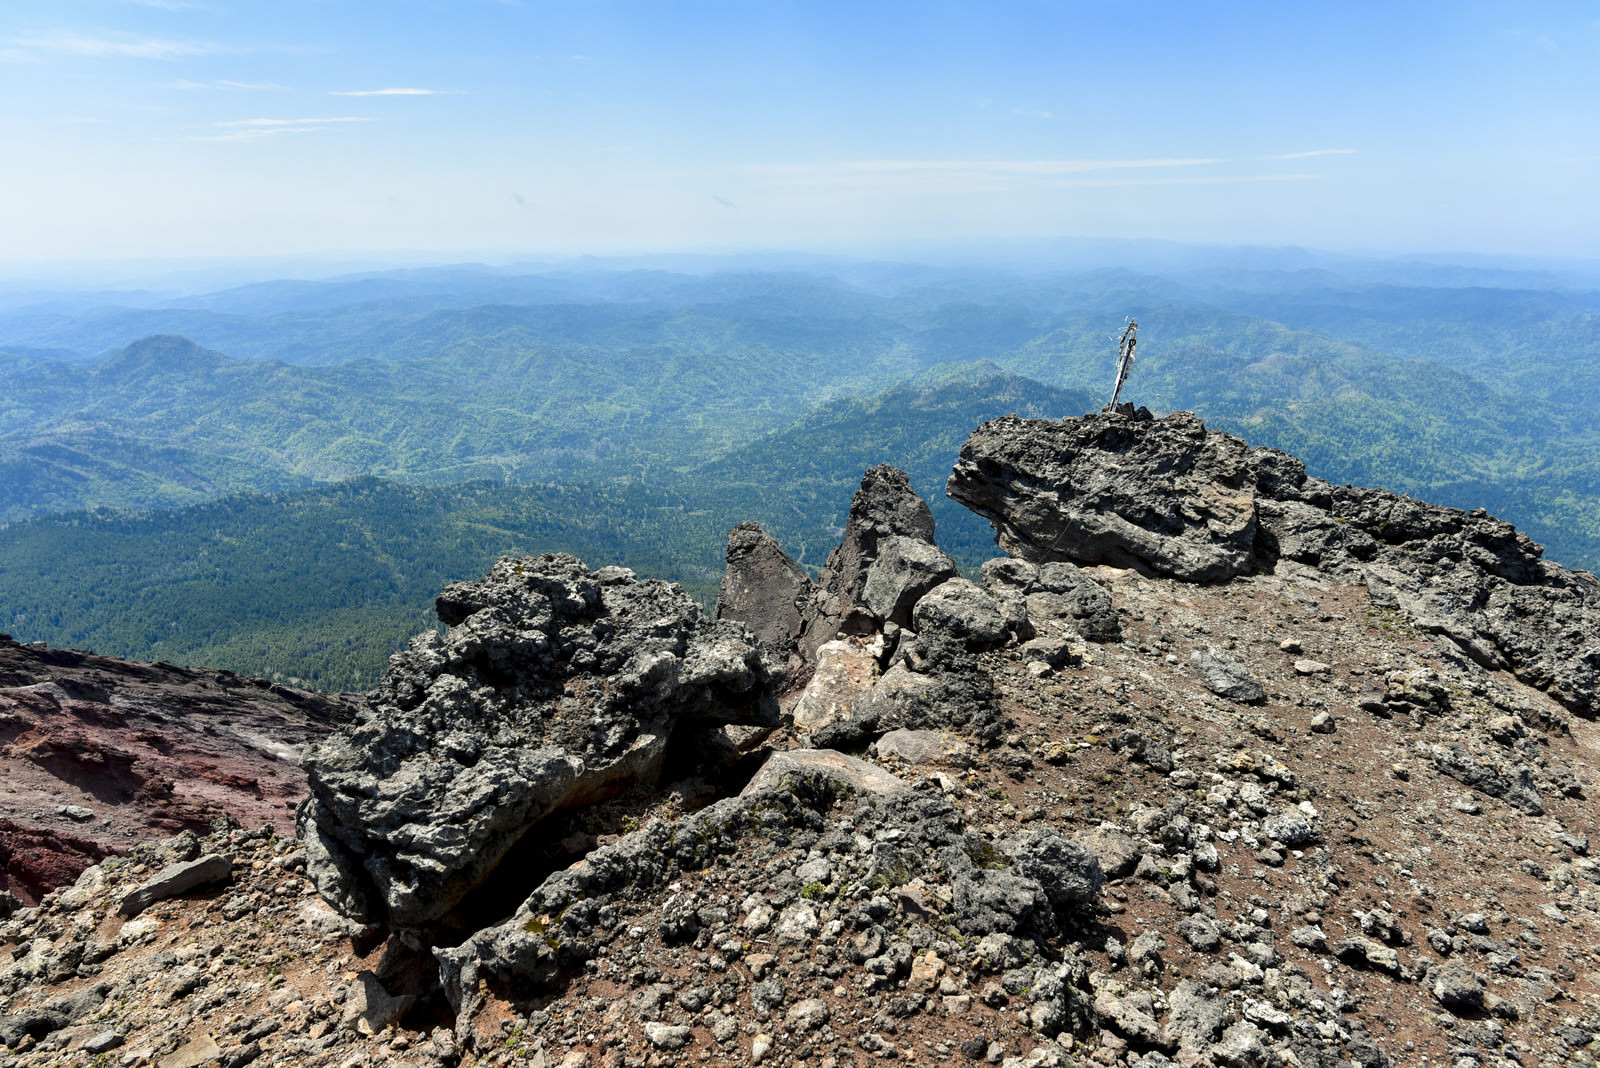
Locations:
(255, 129)
(723, 201)
(1315, 152)
(1033, 113)
(1198, 179)
(296, 122)
(226, 86)
(976, 176)
(990, 168)
(395, 92)
(115, 46)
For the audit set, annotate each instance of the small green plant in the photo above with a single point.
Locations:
(813, 891)
(890, 875)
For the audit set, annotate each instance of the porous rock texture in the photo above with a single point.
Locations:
(1171, 498)
(1109, 489)
(554, 686)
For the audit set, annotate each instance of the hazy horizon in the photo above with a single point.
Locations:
(159, 129)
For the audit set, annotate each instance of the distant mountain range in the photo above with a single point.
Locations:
(639, 414)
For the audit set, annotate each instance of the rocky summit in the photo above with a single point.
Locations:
(1220, 765)
(1169, 498)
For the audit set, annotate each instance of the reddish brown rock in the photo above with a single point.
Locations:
(98, 753)
(34, 861)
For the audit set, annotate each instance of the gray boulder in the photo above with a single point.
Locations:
(1194, 1016)
(1070, 873)
(1511, 783)
(962, 611)
(1291, 828)
(1457, 987)
(1057, 596)
(992, 897)
(1226, 677)
(555, 686)
(176, 879)
(763, 588)
(845, 772)
(1064, 592)
(922, 747)
(904, 571)
(1117, 852)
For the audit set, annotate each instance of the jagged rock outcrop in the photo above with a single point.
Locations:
(763, 587)
(1166, 496)
(554, 686)
(887, 546)
(1170, 498)
(901, 625)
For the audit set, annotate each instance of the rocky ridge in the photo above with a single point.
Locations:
(1070, 813)
(1171, 498)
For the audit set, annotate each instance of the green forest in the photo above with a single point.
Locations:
(277, 479)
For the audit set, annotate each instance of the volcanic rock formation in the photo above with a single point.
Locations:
(763, 587)
(1171, 498)
(555, 686)
(1324, 808)
(886, 560)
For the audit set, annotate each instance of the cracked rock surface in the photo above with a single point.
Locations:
(1169, 497)
(555, 686)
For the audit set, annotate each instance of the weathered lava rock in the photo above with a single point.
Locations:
(1165, 496)
(97, 753)
(1173, 499)
(763, 587)
(34, 860)
(554, 687)
(884, 509)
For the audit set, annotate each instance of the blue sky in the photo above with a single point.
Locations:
(150, 128)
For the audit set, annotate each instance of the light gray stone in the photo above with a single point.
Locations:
(850, 772)
(176, 879)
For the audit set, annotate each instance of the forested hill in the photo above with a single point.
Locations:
(639, 414)
(320, 586)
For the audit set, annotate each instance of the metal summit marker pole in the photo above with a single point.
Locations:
(1125, 344)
